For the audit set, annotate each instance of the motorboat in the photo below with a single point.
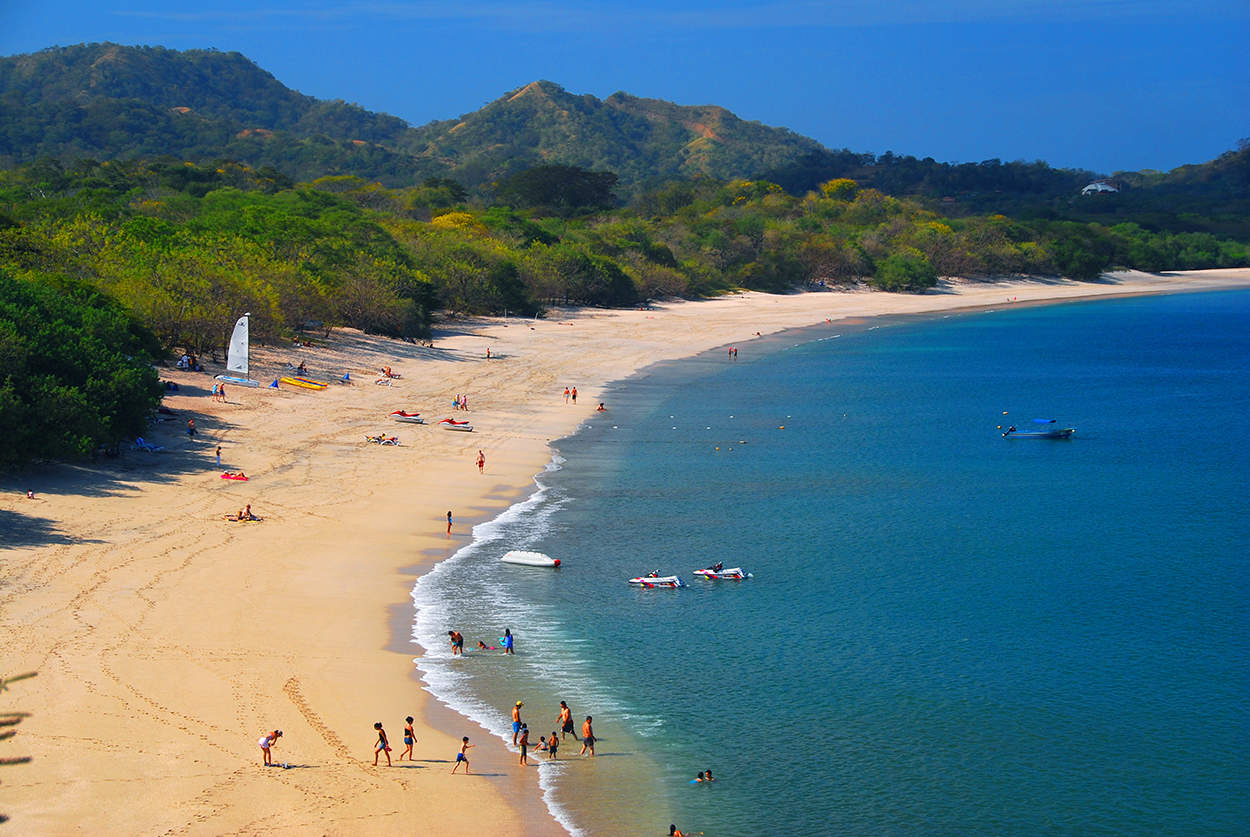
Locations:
(529, 559)
(654, 580)
(452, 424)
(731, 574)
(1044, 429)
(410, 418)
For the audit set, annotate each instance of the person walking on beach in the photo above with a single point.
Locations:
(190, 428)
(524, 744)
(588, 738)
(462, 756)
(449, 523)
(516, 721)
(410, 738)
(566, 395)
(507, 640)
(221, 393)
(566, 721)
(267, 741)
(481, 462)
(457, 643)
(219, 456)
(574, 395)
(382, 746)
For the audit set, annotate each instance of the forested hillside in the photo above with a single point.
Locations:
(112, 102)
(186, 247)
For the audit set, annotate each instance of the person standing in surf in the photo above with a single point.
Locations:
(566, 721)
(449, 523)
(524, 744)
(516, 721)
(507, 640)
(588, 738)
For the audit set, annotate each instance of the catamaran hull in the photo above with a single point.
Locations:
(240, 382)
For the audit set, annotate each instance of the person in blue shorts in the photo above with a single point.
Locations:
(516, 721)
(461, 756)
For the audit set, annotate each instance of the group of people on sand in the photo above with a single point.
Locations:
(460, 402)
(383, 745)
(570, 393)
(219, 393)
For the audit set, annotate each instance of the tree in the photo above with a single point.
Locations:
(75, 371)
(906, 270)
(564, 190)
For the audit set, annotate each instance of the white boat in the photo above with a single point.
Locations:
(649, 581)
(529, 559)
(410, 418)
(733, 574)
(236, 356)
(452, 424)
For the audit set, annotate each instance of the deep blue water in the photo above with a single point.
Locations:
(947, 632)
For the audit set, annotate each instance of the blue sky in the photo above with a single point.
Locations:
(1100, 84)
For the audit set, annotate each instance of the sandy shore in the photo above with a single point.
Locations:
(167, 639)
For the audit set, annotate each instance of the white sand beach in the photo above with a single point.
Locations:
(168, 639)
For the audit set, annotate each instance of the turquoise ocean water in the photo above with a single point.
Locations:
(947, 632)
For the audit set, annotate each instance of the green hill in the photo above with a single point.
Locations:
(644, 141)
(106, 101)
(112, 102)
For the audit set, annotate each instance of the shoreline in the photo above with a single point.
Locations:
(163, 634)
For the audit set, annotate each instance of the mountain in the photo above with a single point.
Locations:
(108, 101)
(112, 102)
(644, 141)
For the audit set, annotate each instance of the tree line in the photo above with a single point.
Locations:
(161, 254)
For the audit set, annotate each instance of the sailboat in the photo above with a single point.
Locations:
(236, 356)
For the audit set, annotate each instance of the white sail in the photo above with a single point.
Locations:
(236, 356)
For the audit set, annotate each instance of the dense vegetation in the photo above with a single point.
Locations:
(75, 370)
(186, 247)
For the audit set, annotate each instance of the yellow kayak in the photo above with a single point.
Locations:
(306, 383)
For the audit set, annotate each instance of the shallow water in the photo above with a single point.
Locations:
(947, 631)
